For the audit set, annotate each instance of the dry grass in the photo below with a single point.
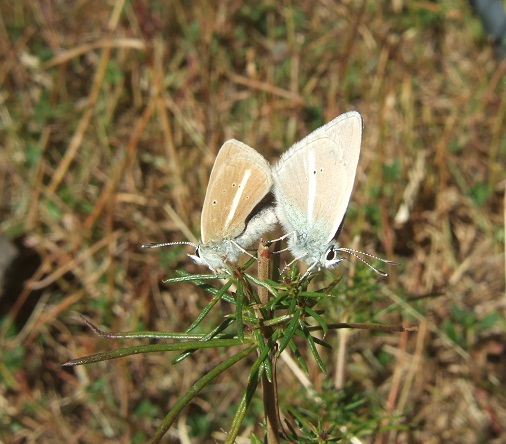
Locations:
(111, 116)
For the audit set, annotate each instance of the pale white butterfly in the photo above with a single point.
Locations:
(313, 181)
(240, 179)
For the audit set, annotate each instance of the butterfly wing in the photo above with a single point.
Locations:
(315, 177)
(239, 180)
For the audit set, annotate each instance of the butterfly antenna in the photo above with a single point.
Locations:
(351, 251)
(356, 254)
(166, 244)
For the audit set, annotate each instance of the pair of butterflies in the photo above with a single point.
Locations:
(312, 184)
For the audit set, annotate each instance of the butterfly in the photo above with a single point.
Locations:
(233, 216)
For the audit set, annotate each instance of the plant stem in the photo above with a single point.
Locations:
(269, 389)
(264, 256)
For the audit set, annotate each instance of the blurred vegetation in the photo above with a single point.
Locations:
(111, 114)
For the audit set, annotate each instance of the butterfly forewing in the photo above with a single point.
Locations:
(315, 177)
(239, 180)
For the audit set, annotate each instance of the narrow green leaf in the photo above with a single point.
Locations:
(277, 301)
(239, 309)
(195, 389)
(265, 349)
(278, 320)
(195, 277)
(257, 281)
(297, 354)
(210, 306)
(204, 285)
(223, 326)
(312, 346)
(253, 380)
(313, 294)
(294, 300)
(255, 439)
(127, 351)
(321, 342)
(139, 334)
(241, 411)
(248, 264)
(289, 331)
(318, 319)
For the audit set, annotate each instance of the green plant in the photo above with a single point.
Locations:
(269, 318)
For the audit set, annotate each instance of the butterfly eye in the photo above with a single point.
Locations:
(197, 252)
(331, 254)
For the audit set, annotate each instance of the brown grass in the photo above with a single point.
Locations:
(112, 114)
